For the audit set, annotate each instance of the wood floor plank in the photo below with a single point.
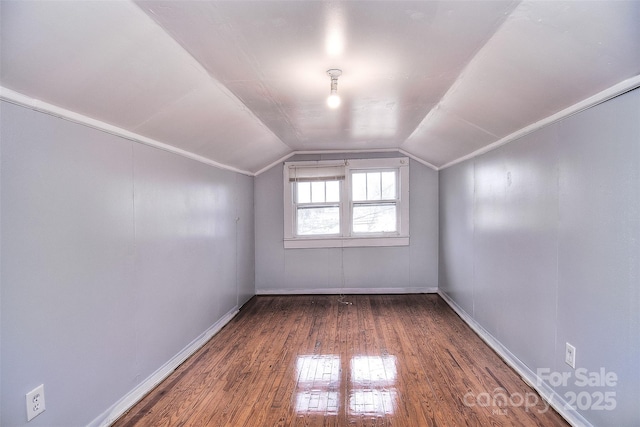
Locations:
(355, 360)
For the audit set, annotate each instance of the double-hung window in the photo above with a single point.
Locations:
(316, 196)
(374, 201)
(346, 203)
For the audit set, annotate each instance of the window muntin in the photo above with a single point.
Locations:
(376, 185)
(318, 191)
(317, 208)
(346, 203)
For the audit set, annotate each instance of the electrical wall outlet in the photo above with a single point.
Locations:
(570, 355)
(35, 402)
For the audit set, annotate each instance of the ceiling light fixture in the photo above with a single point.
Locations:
(334, 100)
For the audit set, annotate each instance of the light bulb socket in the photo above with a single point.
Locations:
(334, 73)
(334, 100)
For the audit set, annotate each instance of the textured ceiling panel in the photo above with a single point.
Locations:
(244, 83)
(109, 61)
(398, 59)
(546, 57)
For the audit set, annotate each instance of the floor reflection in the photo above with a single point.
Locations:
(373, 380)
(318, 384)
(371, 387)
(372, 402)
(377, 370)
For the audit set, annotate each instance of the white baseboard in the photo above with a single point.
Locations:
(546, 392)
(135, 395)
(350, 291)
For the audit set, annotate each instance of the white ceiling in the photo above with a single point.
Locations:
(244, 83)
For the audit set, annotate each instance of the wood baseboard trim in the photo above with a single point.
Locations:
(350, 291)
(554, 400)
(135, 395)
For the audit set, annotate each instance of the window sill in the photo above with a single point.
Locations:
(345, 242)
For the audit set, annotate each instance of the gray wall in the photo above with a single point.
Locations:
(115, 256)
(405, 268)
(539, 243)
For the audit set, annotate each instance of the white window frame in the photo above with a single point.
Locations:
(347, 237)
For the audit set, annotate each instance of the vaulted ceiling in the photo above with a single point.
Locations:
(244, 83)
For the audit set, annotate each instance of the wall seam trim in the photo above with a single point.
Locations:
(599, 98)
(17, 98)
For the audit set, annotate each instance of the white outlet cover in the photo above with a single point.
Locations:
(570, 355)
(35, 402)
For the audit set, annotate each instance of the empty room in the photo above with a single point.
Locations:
(319, 213)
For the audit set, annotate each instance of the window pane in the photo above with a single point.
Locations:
(325, 220)
(374, 218)
(389, 185)
(304, 192)
(333, 191)
(359, 186)
(317, 192)
(373, 186)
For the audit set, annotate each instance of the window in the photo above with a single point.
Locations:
(375, 202)
(362, 202)
(317, 208)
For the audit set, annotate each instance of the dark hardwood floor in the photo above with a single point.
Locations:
(359, 360)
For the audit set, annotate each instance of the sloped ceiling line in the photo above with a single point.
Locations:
(184, 45)
(441, 102)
